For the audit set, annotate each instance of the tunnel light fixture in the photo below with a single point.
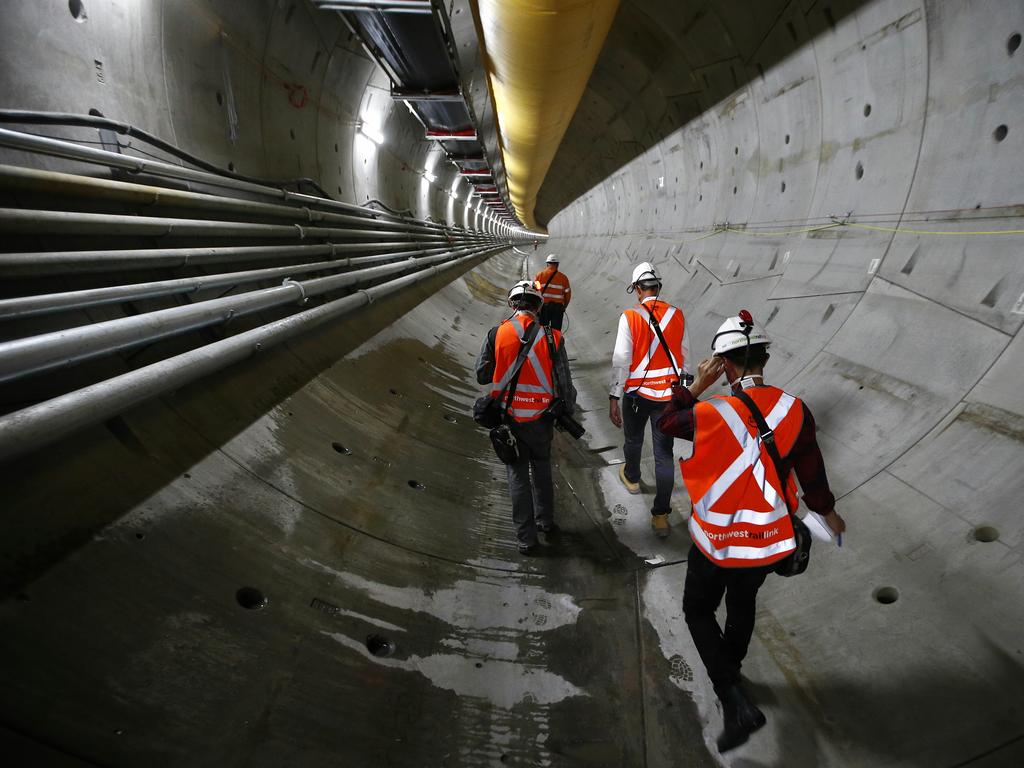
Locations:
(372, 133)
(429, 176)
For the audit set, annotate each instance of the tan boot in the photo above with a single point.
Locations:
(632, 487)
(660, 526)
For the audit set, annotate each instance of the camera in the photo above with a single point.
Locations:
(564, 421)
(570, 425)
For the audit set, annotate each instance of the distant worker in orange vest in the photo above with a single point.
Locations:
(741, 522)
(540, 385)
(651, 356)
(554, 287)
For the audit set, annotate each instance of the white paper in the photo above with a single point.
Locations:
(818, 527)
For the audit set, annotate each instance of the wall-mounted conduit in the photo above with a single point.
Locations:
(310, 258)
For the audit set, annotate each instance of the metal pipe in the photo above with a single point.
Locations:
(35, 354)
(54, 182)
(38, 222)
(69, 150)
(49, 303)
(62, 262)
(33, 117)
(37, 425)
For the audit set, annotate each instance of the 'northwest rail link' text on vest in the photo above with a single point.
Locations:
(651, 374)
(535, 389)
(740, 516)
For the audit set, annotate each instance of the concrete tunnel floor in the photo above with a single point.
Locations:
(392, 621)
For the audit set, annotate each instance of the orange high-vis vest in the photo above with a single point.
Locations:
(558, 291)
(535, 389)
(651, 374)
(740, 513)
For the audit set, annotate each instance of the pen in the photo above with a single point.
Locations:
(840, 539)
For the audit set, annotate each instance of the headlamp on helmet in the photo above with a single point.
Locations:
(525, 295)
(738, 332)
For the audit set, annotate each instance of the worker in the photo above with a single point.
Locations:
(542, 388)
(651, 355)
(740, 522)
(554, 287)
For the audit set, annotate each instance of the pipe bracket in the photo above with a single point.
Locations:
(303, 298)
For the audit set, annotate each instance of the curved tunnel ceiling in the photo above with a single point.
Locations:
(837, 169)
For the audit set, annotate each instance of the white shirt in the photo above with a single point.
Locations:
(622, 355)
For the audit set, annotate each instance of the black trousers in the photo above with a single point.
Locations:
(552, 314)
(721, 652)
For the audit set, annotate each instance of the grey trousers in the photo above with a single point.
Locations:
(533, 501)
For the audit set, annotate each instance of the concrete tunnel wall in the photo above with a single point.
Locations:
(342, 478)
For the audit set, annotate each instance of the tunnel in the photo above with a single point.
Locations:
(251, 253)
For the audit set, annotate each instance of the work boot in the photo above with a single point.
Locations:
(527, 549)
(632, 487)
(660, 526)
(548, 528)
(741, 718)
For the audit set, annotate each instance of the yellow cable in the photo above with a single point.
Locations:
(781, 234)
(901, 231)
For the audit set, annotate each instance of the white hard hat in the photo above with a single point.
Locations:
(522, 289)
(644, 272)
(551, 259)
(733, 333)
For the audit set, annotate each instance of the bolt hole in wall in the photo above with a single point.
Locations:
(340, 448)
(887, 595)
(783, 189)
(1013, 43)
(231, 166)
(859, 171)
(986, 533)
(251, 598)
(1000, 133)
(95, 112)
(787, 138)
(379, 645)
(77, 8)
(867, 110)
(417, 486)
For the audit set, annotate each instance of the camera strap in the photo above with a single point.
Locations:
(768, 440)
(664, 344)
(548, 283)
(553, 354)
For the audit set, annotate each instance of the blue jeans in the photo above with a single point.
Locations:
(636, 412)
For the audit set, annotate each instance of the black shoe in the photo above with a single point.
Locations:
(741, 717)
(527, 549)
(548, 528)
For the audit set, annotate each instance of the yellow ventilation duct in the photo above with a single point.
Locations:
(538, 55)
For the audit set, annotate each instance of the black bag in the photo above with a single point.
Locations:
(505, 445)
(487, 411)
(797, 561)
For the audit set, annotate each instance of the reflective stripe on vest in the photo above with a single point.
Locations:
(535, 388)
(557, 289)
(651, 374)
(740, 514)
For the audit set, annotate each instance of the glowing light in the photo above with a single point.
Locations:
(371, 132)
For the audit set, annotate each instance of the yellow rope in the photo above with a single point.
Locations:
(781, 234)
(896, 230)
(901, 231)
